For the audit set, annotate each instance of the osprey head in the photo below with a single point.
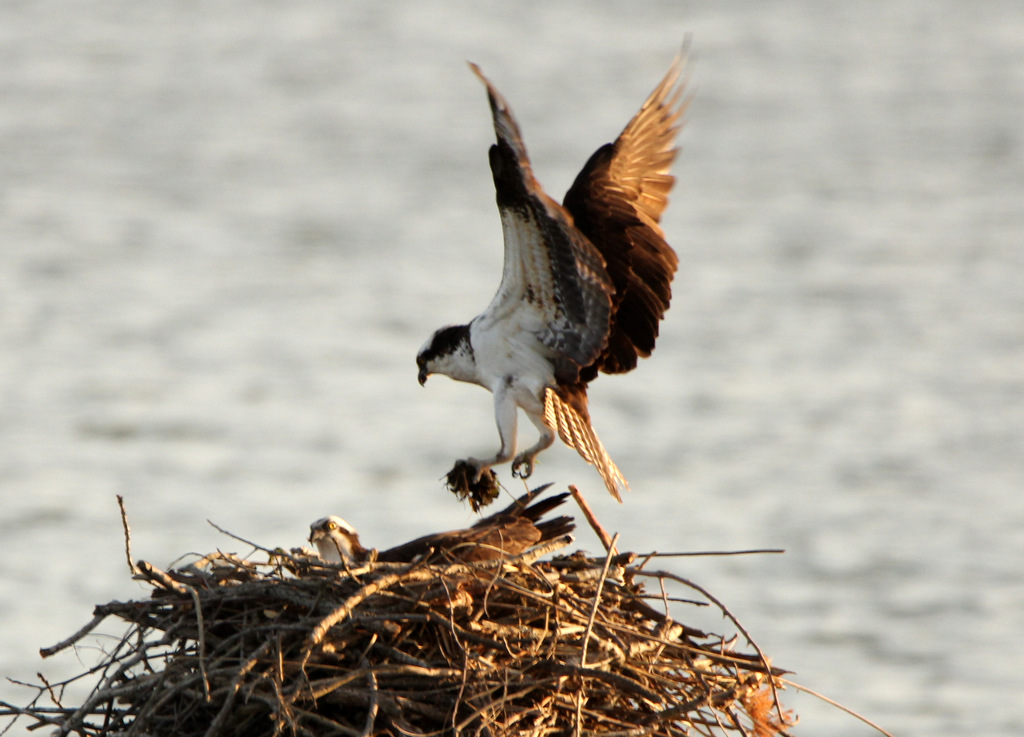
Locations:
(336, 540)
(449, 352)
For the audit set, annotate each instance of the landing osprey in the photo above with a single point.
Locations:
(583, 288)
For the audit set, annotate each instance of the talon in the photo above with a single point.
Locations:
(522, 467)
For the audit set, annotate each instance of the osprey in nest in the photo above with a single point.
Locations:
(583, 288)
(511, 531)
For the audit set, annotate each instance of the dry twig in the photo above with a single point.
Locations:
(289, 645)
(510, 646)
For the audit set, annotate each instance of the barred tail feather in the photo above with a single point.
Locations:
(576, 432)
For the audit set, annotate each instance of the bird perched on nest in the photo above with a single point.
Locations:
(506, 533)
(336, 540)
(583, 289)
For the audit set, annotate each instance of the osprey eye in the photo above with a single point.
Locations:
(332, 526)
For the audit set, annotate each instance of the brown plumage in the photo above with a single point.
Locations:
(617, 201)
(511, 531)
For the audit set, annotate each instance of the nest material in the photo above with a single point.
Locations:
(480, 492)
(513, 646)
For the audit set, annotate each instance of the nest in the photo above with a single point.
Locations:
(285, 644)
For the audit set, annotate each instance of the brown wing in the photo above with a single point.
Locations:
(509, 532)
(522, 507)
(617, 201)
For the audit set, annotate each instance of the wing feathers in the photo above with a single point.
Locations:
(617, 202)
(549, 267)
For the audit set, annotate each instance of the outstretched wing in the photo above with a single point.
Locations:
(616, 202)
(553, 281)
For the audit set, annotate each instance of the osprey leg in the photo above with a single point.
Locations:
(528, 456)
(505, 417)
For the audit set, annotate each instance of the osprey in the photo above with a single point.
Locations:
(583, 288)
(508, 532)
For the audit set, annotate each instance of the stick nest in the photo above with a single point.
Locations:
(290, 645)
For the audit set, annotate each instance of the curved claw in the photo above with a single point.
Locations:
(522, 466)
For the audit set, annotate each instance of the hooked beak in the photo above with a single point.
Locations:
(423, 376)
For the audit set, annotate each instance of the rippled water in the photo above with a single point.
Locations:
(226, 229)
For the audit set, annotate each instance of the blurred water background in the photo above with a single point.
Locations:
(226, 228)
